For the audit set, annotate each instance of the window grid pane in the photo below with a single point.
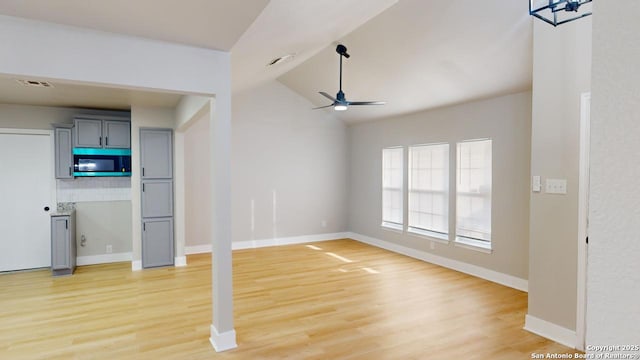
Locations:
(429, 187)
(473, 200)
(392, 185)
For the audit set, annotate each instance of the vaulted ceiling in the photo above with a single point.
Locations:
(414, 54)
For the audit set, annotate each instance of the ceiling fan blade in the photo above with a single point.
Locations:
(366, 102)
(322, 107)
(327, 96)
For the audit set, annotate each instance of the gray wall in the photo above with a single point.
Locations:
(34, 117)
(103, 223)
(613, 287)
(506, 120)
(197, 192)
(561, 72)
(289, 160)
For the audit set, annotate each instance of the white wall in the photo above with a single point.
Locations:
(289, 166)
(613, 288)
(103, 223)
(561, 72)
(197, 164)
(507, 121)
(50, 51)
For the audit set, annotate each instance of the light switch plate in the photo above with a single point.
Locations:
(556, 186)
(535, 183)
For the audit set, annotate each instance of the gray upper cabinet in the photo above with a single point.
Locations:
(157, 242)
(117, 134)
(157, 198)
(63, 153)
(88, 133)
(156, 153)
(102, 133)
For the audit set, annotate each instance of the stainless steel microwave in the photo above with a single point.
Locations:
(101, 162)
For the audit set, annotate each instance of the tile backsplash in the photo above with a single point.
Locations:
(94, 189)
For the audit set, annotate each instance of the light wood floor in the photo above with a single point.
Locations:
(328, 300)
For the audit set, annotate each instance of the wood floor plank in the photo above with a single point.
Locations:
(329, 300)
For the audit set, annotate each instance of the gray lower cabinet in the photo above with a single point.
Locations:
(63, 244)
(157, 198)
(63, 152)
(157, 242)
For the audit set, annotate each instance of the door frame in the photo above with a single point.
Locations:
(583, 218)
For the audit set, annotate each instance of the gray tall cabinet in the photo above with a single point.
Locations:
(156, 165)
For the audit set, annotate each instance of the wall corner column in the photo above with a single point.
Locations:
(223, 336)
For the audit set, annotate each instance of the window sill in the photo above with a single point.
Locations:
(475, 245)
(433, 236)
(392, 227)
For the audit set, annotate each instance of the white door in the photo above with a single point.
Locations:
(26, 188)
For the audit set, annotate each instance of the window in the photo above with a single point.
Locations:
(429, 190)
(473, 201)
(392, 187)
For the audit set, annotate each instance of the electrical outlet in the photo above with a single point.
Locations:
(556, 186)
(109, 249)
(323, 223)
(432, 245)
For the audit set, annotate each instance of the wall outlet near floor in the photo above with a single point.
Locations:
(323, 223)
(432, 245)
(109, 249)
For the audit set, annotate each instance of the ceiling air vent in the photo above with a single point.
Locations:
(35, 83)
(281, 59)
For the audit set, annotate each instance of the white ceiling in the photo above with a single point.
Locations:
(414, 54)
(300, 27)
(69, 95)
(202, 23)
(421, 54)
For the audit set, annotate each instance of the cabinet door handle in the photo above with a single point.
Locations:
(142, 187)
(144, 226)
(69, 170)
(106, 141)
(142, 171)
(100, 140)
(66, 224)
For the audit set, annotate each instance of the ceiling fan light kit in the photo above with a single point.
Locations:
(558, 12)
(340, 102)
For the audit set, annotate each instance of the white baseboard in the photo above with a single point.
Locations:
(197, 249)
(497, 277)
(254, 244)
(224, 341)
(136, 265)
(103, 259)
(180, 261)
(551, 331)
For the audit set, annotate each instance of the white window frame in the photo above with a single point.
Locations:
(486, 193)
(387, 222)
(413, 226)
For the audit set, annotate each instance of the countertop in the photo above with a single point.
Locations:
(61, 213)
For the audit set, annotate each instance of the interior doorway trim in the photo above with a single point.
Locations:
(583, 218)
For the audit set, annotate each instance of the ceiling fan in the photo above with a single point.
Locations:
(340, 103)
